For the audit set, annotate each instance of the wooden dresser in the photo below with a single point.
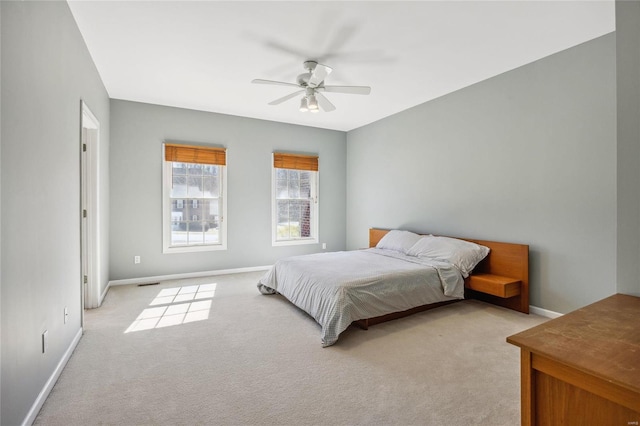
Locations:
(584, 367)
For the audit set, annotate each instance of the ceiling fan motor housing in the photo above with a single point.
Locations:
(303, 79)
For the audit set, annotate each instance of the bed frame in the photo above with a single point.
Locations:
(502, 278)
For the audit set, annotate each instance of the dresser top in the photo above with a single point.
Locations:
(602, 339)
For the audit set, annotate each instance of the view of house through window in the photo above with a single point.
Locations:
(295, 199)
(194, 202)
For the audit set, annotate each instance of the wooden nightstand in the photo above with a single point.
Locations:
(495, 285)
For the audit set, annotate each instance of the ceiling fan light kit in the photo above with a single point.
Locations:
(312, 83)
(313, 103)
(303, 104)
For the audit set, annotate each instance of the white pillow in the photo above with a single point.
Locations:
(398, 240)
(464, 255)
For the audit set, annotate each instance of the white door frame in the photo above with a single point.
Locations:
(90, 211)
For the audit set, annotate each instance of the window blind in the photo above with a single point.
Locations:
(195, 154)
(295, 161)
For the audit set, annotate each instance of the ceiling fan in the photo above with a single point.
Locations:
(311, 83)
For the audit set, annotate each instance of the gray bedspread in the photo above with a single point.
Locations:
(338, 288)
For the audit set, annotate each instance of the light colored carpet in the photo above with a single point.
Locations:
(258, 360)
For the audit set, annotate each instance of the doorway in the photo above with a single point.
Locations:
(90, 210)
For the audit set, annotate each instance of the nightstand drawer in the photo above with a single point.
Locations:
(496, 285)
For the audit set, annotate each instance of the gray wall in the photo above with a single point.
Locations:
(46, 71)
(628, 73)
(137, 133)
(528, 156)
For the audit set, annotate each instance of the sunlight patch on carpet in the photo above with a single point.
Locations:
(175, 306)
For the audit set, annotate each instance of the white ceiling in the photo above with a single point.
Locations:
(203, 54)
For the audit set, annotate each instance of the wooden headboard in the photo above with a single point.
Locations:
(506, 264)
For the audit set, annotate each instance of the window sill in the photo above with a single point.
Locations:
(193, 249)
(295, 242)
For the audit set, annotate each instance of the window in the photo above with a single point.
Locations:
(295, 199)
(194, 207)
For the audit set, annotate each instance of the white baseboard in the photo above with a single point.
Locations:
(104, 293)
(544, 312)
(46, 390)
(147, 280)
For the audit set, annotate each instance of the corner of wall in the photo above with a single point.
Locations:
(628, 147)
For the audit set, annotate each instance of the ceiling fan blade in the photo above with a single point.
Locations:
(277, 83)
(275, 44)
(286, 98)
(353, 90)
(341, 37)
(319, 73)
(324, 103)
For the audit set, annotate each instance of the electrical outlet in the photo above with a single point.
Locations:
(324, 246)
(66, 314)
(136, 259)
(44, 341)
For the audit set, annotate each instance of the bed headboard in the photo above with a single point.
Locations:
(504, 259)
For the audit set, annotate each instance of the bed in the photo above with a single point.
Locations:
(401, 273)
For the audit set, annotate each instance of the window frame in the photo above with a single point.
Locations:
(315, 211)
(167, 175)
